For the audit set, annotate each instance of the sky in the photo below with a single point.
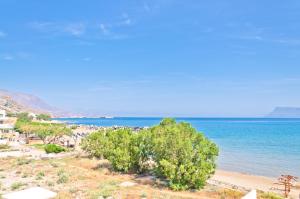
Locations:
(208, 58)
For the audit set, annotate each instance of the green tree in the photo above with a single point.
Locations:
(114, 145)
(24, 117)
(48, 133)
(44, 117)
(175, 151)
(185, 157)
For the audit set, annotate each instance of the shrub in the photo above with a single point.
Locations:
(53, 148)
(175, 151)
(25, 175)
(40, 175)
(23, 161)
(113, 145)
(44, 117)
(16, 185)
(184, 157)
(268, 195)
(24, 117)
(62, 177)
(50, 183)
(95, 144)
(48, 133)
(4, 146)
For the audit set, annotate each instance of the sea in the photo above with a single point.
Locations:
(256, 146)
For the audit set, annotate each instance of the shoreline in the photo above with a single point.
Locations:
(247, 182)
(223, 178)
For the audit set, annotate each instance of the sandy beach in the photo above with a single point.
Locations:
(230, 179)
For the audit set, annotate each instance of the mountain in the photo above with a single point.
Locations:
(16, 102)
(285, 112)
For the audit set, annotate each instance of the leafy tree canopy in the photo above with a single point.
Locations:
(176, 152)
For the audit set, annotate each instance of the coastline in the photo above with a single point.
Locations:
(223, 178)
(247, 182)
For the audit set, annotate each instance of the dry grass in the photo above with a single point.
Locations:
(88, 178)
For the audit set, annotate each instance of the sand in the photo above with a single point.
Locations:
(249, 182)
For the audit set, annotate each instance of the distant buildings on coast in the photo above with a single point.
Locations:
(5, 127)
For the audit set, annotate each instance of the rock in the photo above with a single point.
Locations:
(32, 193)
(250, 195)
(127, 184)
(146, 180)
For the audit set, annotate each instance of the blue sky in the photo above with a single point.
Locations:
(153, 57)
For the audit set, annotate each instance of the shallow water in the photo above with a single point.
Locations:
(258, 146)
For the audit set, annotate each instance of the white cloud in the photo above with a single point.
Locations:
(7, 57)
(104, 29)
(2, 34)
(270, 39)
(44, 26)
(16, 55)
(126, 21)
(75, 29)
(146, 7)
(287, 41)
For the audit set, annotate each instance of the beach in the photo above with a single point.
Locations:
(229, 179)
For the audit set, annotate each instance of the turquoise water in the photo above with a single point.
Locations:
(257, 146)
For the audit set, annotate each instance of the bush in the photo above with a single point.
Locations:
(4, 146)
(185, 157)
(114, 145)
(44, 117)
(176, 152)
(23, 161)
(48, 133)
(16, 185)
(62, 177)
(53, 148)
(268, 195)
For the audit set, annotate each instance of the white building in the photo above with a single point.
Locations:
(2, 116)
(5, 128)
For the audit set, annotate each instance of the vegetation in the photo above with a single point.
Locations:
(40, 176)
(81, 176)
(4, 146)
(187, 164)
(10, 114)
(48, 133)
(24, 117)
(62, 177)
(268, 195)
(23, 161)
(44, 117)
(17, 185)
(53, 148)
(39, 146)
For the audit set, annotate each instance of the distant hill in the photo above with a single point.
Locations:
(285, 112)
(16, 102)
